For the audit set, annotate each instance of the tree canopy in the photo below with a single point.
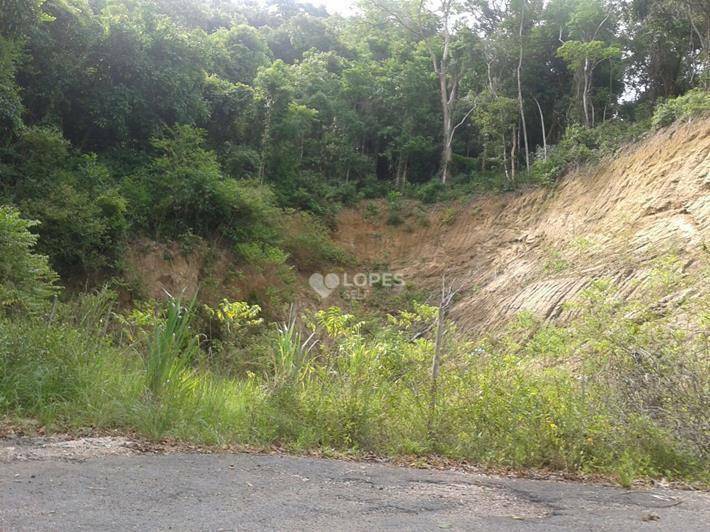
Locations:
(150, 113)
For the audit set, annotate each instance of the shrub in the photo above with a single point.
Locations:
(259, 254)
(581, 145)
(372, 211)
(184, 192)
(371, 188)
(449, 215)
(26, 280)
(170, 351)
(692, 103)
(43, 367)
(10, 101)
(67, 378)
(621, 390)
(82, 213)
(308, 242)
(394, 205)
(184, 183)
(431, 191)
(80, 233)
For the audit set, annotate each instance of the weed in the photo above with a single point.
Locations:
(555, 262)
(449, 216)
(621, 390)
(372, 211)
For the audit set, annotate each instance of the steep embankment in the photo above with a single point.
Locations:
(534, 250)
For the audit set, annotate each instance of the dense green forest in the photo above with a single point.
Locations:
(167, 117)
(248, 125)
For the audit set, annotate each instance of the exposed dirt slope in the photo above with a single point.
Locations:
(208, 270)
(536, 249)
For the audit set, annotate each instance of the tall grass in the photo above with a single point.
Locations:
(170, 351)
(574, 398)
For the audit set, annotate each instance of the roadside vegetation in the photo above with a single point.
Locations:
(622, 390)
(244, 128)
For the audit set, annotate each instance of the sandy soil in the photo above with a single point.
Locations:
(534, 250)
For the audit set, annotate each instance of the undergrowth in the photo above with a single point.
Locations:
(620, 391)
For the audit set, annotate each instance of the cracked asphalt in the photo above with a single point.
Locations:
(275, 492)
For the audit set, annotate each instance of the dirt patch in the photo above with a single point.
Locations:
(497, 502)
(208, 270)
(58, 448)
(535, 250)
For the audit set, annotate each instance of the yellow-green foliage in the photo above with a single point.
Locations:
(693, 103)
(236, 315)
(26, 280)
(621, 390)
(448, 217)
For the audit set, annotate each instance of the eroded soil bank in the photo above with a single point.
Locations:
(536, 249)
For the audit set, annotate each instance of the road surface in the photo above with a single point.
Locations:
(52, 488)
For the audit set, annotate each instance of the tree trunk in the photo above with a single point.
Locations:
(265, 142)
(446, 156)
(401, 176)
(585, 93)
(704, 43)
(544, 135)
(591, 109)
(436, 362)
(505, 158)
(447, 295)
(513, 155)
(447, 93)
(447, 127)
(520, 90)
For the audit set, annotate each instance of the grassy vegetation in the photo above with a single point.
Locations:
(239, 131)
(695, 102)
(621, 391)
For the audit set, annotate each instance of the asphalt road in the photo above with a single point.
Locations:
(257, 492)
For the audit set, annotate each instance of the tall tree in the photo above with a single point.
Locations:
(520, 89)
(434, 27)
(586, 50)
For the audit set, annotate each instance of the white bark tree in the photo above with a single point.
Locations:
(433, 24)
(586, 52)
(520, 89)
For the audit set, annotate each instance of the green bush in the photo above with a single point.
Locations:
(260, 254)
(72, 378)
(621, 390)
(581, 145)
(394, 208)
(694, 102)
(185, 184)
(170, 351)
(26, 280)
(431, 191)
(10, 101)
(82, 213)
(183, 191)
(371, 188)
(308, 242)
